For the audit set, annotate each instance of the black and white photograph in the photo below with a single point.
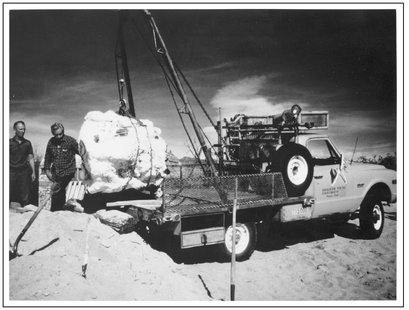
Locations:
(203, 154)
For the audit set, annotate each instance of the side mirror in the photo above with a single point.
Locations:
(343, 164)
(342, 167)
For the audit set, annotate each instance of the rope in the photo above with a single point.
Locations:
(151, 159)
(87, 173)
(137, 153)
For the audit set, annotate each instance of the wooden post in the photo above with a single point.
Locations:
(220, 142)
(233, 247)
(180, 170)
(86, 252)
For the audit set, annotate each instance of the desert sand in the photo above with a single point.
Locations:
(307, 262)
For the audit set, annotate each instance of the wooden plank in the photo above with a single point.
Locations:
(144, 204)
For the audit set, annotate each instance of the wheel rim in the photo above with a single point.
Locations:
(377, 217)
(242, 238)
(297, 170)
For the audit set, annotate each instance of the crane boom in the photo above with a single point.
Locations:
(188, 108)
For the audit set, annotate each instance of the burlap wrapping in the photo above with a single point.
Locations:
(120, 152)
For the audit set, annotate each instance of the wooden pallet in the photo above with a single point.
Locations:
(75, 190)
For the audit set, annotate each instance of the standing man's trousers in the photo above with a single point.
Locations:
(58, 193)
(20, 184)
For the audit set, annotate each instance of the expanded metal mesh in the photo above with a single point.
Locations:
(220, 191)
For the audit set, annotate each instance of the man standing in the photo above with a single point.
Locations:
(60, 164)
(22, 171)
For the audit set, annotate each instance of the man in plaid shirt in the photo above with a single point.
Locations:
(60, 164)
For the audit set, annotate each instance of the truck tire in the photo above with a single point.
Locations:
(294, 161)
(371, 217)
(246, 240)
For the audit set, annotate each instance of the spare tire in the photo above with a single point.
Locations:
(295, 163)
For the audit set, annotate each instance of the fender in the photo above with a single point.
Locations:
(367, 176)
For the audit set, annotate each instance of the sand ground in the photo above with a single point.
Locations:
(312, 262)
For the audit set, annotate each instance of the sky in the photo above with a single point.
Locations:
(257, 60)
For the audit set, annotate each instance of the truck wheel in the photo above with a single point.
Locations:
(246, 239)
(294, 161)
(371, 217)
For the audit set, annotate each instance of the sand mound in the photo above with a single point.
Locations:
(120, 267)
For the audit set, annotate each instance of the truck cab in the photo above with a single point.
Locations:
(332, 185)
(339, 187)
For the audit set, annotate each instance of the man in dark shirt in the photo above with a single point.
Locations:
(60, 164)
(22, 171)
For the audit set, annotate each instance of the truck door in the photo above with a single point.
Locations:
(330, 186)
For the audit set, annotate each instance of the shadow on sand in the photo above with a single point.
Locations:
(390, 216)
(280, 236)
(170, 244)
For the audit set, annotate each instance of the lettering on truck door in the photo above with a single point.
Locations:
(331, 185)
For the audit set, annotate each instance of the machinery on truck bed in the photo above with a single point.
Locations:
(270, 168)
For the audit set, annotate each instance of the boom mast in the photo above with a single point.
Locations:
(188, 108)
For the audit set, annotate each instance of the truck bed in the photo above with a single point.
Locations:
(195, 196)
(186, 197)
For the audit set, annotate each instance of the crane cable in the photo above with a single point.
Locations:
(123, 112)
(121, 83)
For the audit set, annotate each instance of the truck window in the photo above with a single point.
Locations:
(322, 152)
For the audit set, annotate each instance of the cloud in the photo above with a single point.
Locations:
(217, 67)
(248, 96)
(254, 96)
(374, 135)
